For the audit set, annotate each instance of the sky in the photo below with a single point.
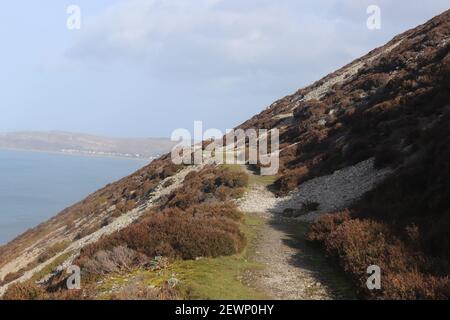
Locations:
(143, 68)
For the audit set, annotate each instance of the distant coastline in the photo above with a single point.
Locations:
(89, 145)
(81, 154)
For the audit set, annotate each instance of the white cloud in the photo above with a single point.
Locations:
(205, 38)
(234, 42)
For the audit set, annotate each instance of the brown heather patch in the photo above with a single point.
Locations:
(211, 184)
(205, 225)
(24, 291)
(396, 109)
(402, 226)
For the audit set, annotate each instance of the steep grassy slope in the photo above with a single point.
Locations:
(394, 105)
(195, 219)
(376, 105)
(82, 219)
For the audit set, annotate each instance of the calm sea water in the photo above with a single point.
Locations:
(35, 186)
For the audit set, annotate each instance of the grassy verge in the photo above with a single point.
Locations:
(262, 180)
(253, 178)
(337, 281)
(206, 278)
(221, 278)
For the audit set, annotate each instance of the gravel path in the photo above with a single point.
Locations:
(333, 192)
(287, 274)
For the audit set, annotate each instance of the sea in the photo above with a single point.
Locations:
(34, 186)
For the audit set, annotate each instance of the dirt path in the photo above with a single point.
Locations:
(285, 274)
(292, 268)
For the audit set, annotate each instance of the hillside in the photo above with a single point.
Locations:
(364, 166)
(85, 144)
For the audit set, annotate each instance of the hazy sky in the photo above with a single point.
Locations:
(146, 67)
